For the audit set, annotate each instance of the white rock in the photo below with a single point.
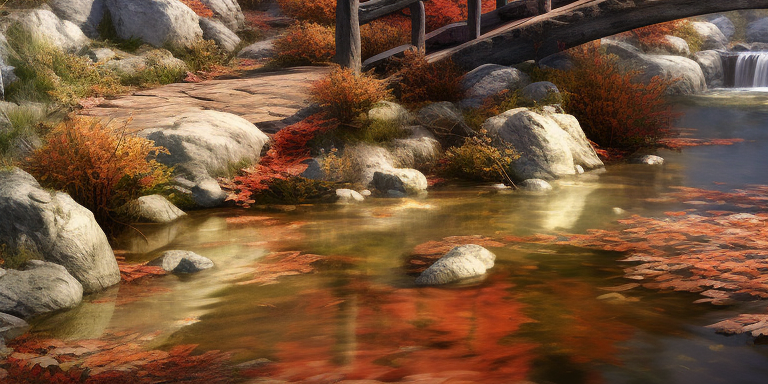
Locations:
(41, 287)
(459, 263)
(45, 25)
(648, 160)
(259, 50)
(86, 14)
(157, 22)
(177, 261)
(154, 209)
(711, 36)
(215, 30)
(348, 196)
(228, 11)
(535, 185)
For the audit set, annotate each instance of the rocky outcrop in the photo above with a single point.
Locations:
(757, 31)
(712, 66)
(462, 262)
(55, 227)
(41, 287)
(446, 122)
(228, 11)
(86, 14)
(157, 22)
(153, 209)
(45, 25)
(176, 261)
(711, 36)
(215, 30)
(725, 25)
(490, 79)
(551, 145)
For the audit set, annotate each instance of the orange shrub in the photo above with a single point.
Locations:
(344, 96)
(305, 43)
(101, 167)
(613, 110)
(421, 81)
(380, 36)
(199, 8)
(316, 11)
(653, 35)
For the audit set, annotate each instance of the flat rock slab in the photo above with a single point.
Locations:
(264, 99)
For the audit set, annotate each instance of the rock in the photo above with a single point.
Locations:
(155, 58)
(725, 25)
(153, 209)
(711, 36)
(403, 180)
(749, 47)
(314, 171)
(365, 193)
(86, 14)
(420, 150)
(384, 182)
(559, 61)
(215, 30)
(203, 144)
(11, 326)
(390, 112)
(207, 193)
(446, 122)
(542, 91)
(459, 263)
(228, 11)
(45, 25)
(673, 46)
(259, 50)
(490, 79)
(648, 160)
(689, 76)
(182, 262)
(41, 287)
(550, 145)
(156, 22)
(54, 226)
(712, 66)
(757, 31)
(349, 196)
(535, 185)
(395, 194)
(101, 55)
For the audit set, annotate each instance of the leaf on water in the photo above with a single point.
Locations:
(621, 288)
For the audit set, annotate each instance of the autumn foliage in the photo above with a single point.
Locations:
(344, 95)
(654, 35)
(305, 43)
(199, 8)
(100, 166)
(614, 110)
(421, 81)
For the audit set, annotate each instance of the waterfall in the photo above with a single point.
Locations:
(751, 70)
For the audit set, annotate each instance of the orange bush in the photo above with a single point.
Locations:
(344, 96)
(101, 167)
(613, 110)
(316, 11)
(304, 44)
(421, 81)
(380, 36)
(199, 8)
(653, 35)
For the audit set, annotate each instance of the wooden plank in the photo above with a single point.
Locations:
(418, 26)
(374, 9)
(544, 6)
(474, 14)
(381, 59)
(348, 52)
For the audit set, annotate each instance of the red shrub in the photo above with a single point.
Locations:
(306, 43)
(344, 96)
(199, 8)
(421, 81)
(380, 36)
(316, 11)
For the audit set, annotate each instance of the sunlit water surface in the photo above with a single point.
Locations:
(535, 317)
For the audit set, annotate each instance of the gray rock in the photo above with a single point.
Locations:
(559, 61)
(86, 14)
(757, 31)
(712, 66)
(420, 150)
(673, 46)
(54, 226)
(459, 263)
(711, 36)
(11, 326)
(155, 58)
(45, 25)
(153, 209)
(550, 145)
(384, 182)
(215, 30)
(446, 122)
(490, 79)
(390, 112)
(259, 50)
(689, 76)
(207, 193)
(182, 262)
(314, 171)
(542, 90)
(101, 55)
(228, 11)
(725, 25)
(535, 185)
(749, 47)
(349, 196)
(156, 22)
(41, 287)
(648, 160)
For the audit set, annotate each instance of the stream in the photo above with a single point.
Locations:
(346, 308)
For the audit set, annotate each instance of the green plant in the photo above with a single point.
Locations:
(337, 167)
(344, 95)
(421, 81)
(16, 258)
(102, 167)
(19, 132)
(492, 106)
(296, 190)
(478, 159)
(157, 71)
(203, 55)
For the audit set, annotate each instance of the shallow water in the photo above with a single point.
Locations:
(536, 316)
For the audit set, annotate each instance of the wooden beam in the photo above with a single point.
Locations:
(474, 14)
(418, 26)
(544, 6)
(348, 52)
(500, 3)
(374, 9)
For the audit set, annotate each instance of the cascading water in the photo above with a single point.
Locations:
(750, 70)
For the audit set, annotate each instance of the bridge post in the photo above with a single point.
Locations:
(544, 6)
(474, 12)
(348, 35)
(500, 3)
(418, 26)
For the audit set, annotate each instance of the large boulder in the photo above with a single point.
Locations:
(446, 122)
(420, 150)
(228, 11)
(153, 209)
(551, 145)
(177, 261)
(711, 36)
(157, 22)
(462, 262)
(224, 37)
(55, 227)
(757, 31)
(672, 45)
(389, 112)
(86, 14)
(490, 79)
(41, 287)
(259, 50)
(712, 66)
(725, 25)
(369, 161)
(686, 73)
(45, 25)
(404, 180)
(542, 91)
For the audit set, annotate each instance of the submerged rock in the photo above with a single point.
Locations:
(153, 209)
(648, 160)
(177, 261)
(535, 185)
(41, 287)
(459, 263)
(349, 196)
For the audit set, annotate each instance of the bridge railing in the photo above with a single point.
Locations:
(351, 14)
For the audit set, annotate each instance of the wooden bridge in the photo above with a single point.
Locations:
(516, 31)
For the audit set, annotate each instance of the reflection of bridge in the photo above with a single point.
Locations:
(518, 31)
